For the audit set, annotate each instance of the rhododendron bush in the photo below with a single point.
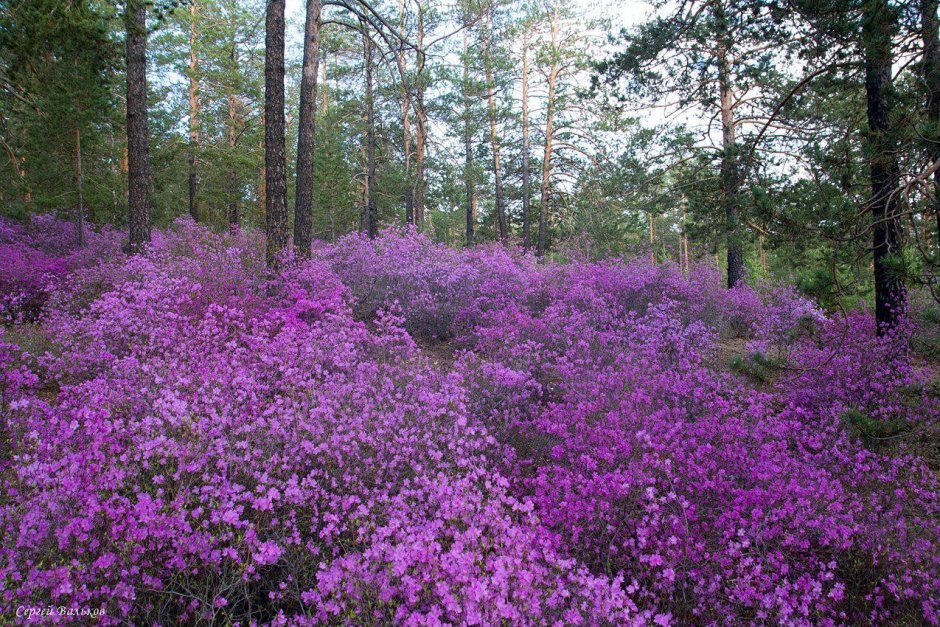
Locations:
(36, 256)
(188, 437)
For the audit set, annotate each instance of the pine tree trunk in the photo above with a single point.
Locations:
(138, 152)
(193, 112)
(323, 90)
(549, 140)
(306, 136)
(234, 193)
(371, 216)
(405, 119)
(729, 155)
(652, 239)
(546, 169)
(469, 186)
(406, 141)
(526, 176)
(275, 164)
(930, 34)
(79, 180)
(877, 28)
(421, 130)
(262, 173)
(684, 242)
(420, 195)
(494, 136)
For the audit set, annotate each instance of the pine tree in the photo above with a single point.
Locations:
(276, 226)
(138, 136)
(704, 55)
(306, 132)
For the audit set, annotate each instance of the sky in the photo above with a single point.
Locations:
(619, 12)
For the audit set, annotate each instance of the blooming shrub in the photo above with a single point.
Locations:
(37, 255)
(207, 441)
(223, 447)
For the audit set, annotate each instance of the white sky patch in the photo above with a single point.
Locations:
(619, 12)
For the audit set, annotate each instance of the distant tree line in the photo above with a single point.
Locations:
(789, 138)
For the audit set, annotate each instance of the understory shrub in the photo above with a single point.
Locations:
(201, 439)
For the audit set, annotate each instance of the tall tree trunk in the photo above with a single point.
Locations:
(547, 168)
(684, 242)
(323, 89)
(526, 193)
(275, 159)
(421, 128)
(23, 168)
(79, 180)
(763, 254)
(262, 173)
(303, 211)
(405, 118)
(234, 193)
(878, 24)
(494, 134)
(729, 154)
(406, 141)
(138, 151)
(364, 187)
(471, 196)
(193, 112)
(549, 139)
(371, 216)
(930, 34)
(15, 161)
(652, 239)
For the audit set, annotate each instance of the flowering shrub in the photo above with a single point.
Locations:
(37, 255)
(224, 447)
(207, 441)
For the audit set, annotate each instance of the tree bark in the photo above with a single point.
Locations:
(877, 27)
(193, 112)
(526, 176)
(324, 102)
(471, 197)
(262, 173)
(421, 128)
(406, 141)
(306, 136)
(652, 239)
(79, 180)
(494, 135)
(405, 119)
(234, 191)
(234, 194)
(275, 159)
(684, 242)
(138, 152)
(549, 139)
(930, 33)
(371, 216)
(729, 153)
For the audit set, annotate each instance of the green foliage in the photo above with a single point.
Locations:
(870, 429)
(642, 148)
(926, 340)
(59, 61)
(756, 366)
